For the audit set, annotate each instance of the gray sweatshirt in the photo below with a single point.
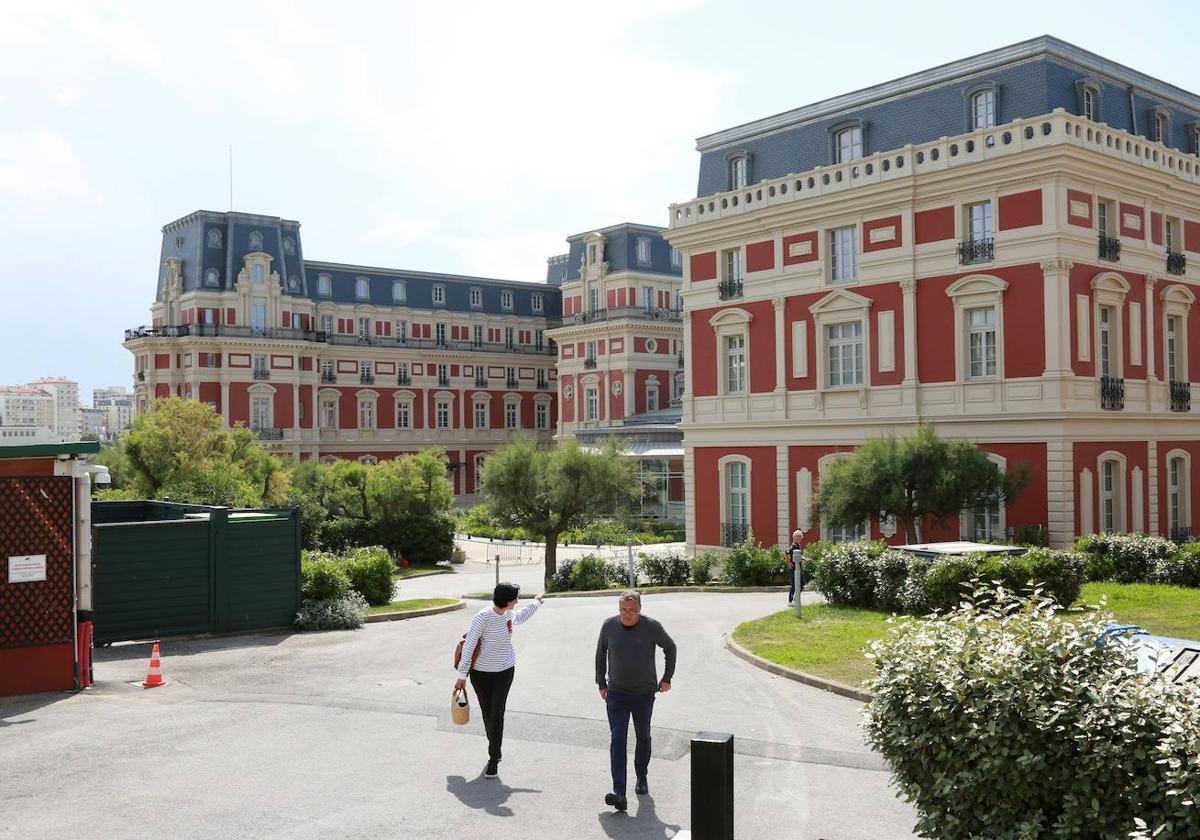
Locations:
(627, 653)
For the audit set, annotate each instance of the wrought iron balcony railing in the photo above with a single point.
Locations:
(541, 382)
(443, 381)
(611, 313)
(268, 434)
(261, 373)
(1181, 396)
(1112, 393)
(1176, 262)
(589, 362)
(328, 377)
(366, 378)
(480, 381)
(511, 383)
(971, 251)
(403, 379)
(734, 533)
(727, 289)
(1110, 248)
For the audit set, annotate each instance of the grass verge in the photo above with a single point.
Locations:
(412, 604)
(422, 571)
(828, 641)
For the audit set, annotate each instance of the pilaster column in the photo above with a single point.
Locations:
(296, 398)
(224, 400)
(628, 384)
(909, 287)
(1056, 302)
(1149, 331)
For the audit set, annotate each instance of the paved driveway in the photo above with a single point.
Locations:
(347, 735)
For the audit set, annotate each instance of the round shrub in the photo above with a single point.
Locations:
(587, 573)
(748, 564)
(1002, 720)
(1179, 569)
(845, 573)
(665, 568)
(322, 577)
(346, 613)
(1123, 558)
(702, 567)
(891, 573)
(426, 540)
(370, 571)
(947, 581)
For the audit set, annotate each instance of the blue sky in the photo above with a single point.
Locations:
(458, 137)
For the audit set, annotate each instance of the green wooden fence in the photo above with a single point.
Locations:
(162, 570)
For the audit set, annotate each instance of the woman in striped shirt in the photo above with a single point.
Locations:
(492, 671)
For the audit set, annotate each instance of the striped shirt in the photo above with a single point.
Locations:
(496, 651)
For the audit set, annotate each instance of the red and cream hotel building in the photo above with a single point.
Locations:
(1006, 247)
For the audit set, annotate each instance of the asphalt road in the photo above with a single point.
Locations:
(347, 734)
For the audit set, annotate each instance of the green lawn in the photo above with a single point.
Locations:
(412, 604)
(828, 641)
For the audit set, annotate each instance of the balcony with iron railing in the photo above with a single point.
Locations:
(1176, 262)
(729, 289)
(403, 379)
(734, 533)
(541, 382)
(443, 381)
(511, 382)
(972, 251)
(328, 377)
(261, 373)
(612, 313)
(1112, 393)
(1109, 248)
(263, 433)
(589, 362)
(480, 381)
(366, 379)
(679, 361)
(1181, 396)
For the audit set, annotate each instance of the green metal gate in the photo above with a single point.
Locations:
(166, 569)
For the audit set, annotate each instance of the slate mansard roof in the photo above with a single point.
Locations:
(620, 250)
(1029, 79)
(213, 246)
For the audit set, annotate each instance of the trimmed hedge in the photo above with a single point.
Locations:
(872, 576)
(367, 571)
(1124, 558)
(750, 564)
(669, 568)
(587, 573)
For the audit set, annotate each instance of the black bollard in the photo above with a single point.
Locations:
(712, 786)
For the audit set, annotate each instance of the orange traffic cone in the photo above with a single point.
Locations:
(154, 675)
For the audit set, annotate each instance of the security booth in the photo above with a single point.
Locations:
(45, 567)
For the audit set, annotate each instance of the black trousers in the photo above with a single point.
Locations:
(620, 708)
(491, 689)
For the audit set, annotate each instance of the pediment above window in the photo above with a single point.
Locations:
(733, 316)
(976, 284)
(841, 300)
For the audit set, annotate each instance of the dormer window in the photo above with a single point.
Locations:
(847, 144)
(676, 258)
(439, 294)
(506, 300)
(476, 298)
(643, 251)
(1160, 125)
(737, 172)
(399, 292)
(215, 239)
(289, 245)
(294, 284)
(983, 109)
(536, 302)
(591, 255)
(324, 285)
(362, 288)
(1089, 99)
(256, 241)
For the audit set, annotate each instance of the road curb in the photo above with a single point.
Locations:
(401, 616)
(670, 590)
(799, 676)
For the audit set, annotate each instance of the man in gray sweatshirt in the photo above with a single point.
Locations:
(625, 652)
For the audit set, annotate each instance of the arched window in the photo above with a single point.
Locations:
(368, 460)
(735, 499)
(1179, 494)
(256, 241)
(1111, 492)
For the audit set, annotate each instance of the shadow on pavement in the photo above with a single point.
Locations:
(11, 707)
(122, 651)
(641, 822)
(484, 794)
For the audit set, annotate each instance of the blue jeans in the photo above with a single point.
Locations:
(620, 708)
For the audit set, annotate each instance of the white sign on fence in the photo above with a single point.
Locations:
(27, 568)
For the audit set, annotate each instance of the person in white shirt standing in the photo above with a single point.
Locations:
(491, 669)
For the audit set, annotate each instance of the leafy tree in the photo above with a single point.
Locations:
(409, 502)
(550, 490)
(918, 479)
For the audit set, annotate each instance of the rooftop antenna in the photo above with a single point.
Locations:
(230, 177)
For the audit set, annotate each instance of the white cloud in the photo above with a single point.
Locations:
(40, 175)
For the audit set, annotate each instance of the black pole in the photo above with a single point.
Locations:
(712, 786)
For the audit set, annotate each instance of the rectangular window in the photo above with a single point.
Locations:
(1089, 104)
(439, 293)
(508, 337)
(402, 371)
(643, 251)
(979, 221)
(260, 363)
(676, 258)
(256, 273)
(366, 414)
(647, 297)
(364, 328)
(737, 173)
(327, 324)
(652, 398)
(324, 285)
(439, 334)
(985, 524)
(541, 415)
(402, 330)
(1174, 491)
(537, 302)
(511, 414)
(443, 374)
(842, 267)
(981, 342)
(398, 291)
(733, 265)
(477, 335)
(329, 414)
(737, 494)
(591, 404)
(1160, 128)
(443, 414)
(1108, 497)
(844, 343)
(1169, 234)
(539, 339)
(403, 415)
(593, 300)
(591, 255)
(735, 364)
(481, 414)
(1172, 342)
(260, 413)
(510, 376)
(506, 299)
(1104, 338)
(362, 288)
(983, 109)
(1104, 219)
(848, 144)
(476, 298)
(589, 349)
(258, 317)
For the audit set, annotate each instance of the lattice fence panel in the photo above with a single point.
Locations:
(35, 518)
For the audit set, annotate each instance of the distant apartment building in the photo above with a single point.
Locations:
(50, 404)
(1005, 246)
(117, 403)
(332, 360)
